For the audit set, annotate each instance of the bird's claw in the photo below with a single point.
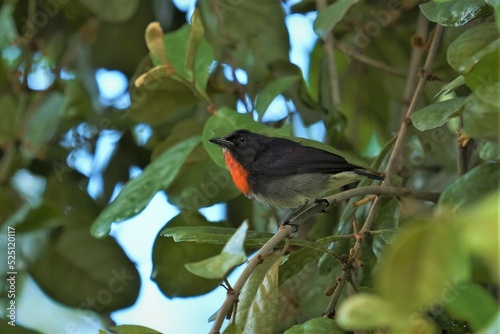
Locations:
(295, 227)
(322, 200)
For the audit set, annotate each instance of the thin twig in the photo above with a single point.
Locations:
(415, 61)
(425, 73)
(383, 191)
(392, 164)
(369, 61)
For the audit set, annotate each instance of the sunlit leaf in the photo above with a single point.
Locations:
(364, 311)
(258, 300)
(316, 326)
(219, 265)
(479, 227)
(139, 191)
(454, 13)
(232, 328)
(420, 264)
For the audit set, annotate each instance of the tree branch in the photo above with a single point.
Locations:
(391, 165)
(232, 294)
(285, 230)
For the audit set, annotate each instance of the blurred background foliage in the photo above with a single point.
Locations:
(219, 72)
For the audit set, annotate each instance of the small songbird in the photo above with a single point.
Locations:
(281, 173)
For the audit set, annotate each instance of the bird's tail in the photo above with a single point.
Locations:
(372, 175)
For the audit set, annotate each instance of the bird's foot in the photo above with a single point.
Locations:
(322, 200)
(295, 227)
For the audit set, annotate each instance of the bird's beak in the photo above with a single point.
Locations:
(222, 142)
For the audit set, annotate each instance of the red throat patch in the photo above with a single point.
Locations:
(238, 173)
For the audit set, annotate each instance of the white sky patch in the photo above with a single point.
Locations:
(112, 85)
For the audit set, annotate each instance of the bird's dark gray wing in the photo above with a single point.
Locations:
(290, 157)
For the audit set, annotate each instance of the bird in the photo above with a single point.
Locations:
(281, 173)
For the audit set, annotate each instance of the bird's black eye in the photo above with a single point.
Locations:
(241, 139)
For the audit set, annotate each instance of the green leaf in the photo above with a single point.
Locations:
(479, 228)
(330, 16)
(481, 118)
(273, 89)
(200, 54)
(97, 274)
(316, 326)
(176, 49)
(437, 114)
(490, 151)
(471, 187)
(388, 235)
(213, 235)
(44, 216)
(218, 266)
(454, 13)
(112, 11)
(296, 262)
(496, 7)
(250, 33)
(422, 261)
(308, 107)
(451, 86)
(364, 311)
(201, 183)
(130, 329)
(472, 45)
(7, 24)
(232, 328)
(258, 300)
(138, 192)
(162, 100)
(5, 327)
(170, 256)
(201, 70)
(8, 125)
(226, 120)
(195, 36)
(472, 304)
(42, 125)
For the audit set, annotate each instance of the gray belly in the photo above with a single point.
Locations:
(292, 191)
